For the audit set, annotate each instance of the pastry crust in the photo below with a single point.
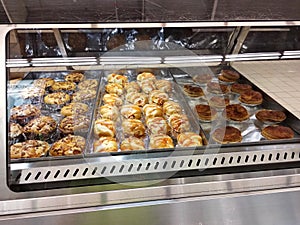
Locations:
(133, 127)
(251, 97)
(33, 93)
(118, 79)
(40, 127)
(219, 102)
(202, 78)
(88, 84)
(230, 75)
(57, 98)
(268, 115)
(74, 77)
(189, 139)
(132, 87)
(277, 132)
(158, 97)
(228, 134)
(236, 112)
(24, 113)
(69, 145)
(63, 86)
(147, 86)
(240, 88)
(106, 144)
(157, 125)
(158, 141)
(179, 123)
(171, 107)
(114, 88)
(29, 149)
(74, 124)
(164, 85)
(131, 111)
(15, 130)
(145, 76)
(74, 108)
(217, 88)
(132, 143)
(104, 127)
(139, 99)
(205, 112)
(112, 99)
(193, 91)
(84, 95)
(152, 110)
(43, 82)
(108, 112)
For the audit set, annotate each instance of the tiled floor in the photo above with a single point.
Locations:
(279, 79)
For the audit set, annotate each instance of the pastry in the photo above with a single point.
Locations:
(43, 82)
(132, 143)
(152, 110)
(69, 145)
(24, 113)
(34, 94)
(171, 107)
(74, 108)
(147, 86)
(277, 132)
(133, 127)
(112, 99)
(240, 88)
(229, 75)
(108, 112)
(84, 95)
(236, 112)
(139, 99)
(16, 133)
(158, 97)
(132, 87)
(63, 86)
(179, 123)
(158, 141)
(56, 100)
(202, 78)
(40, 128)
(272, 116)
(88, 84)
(74, 77)
(251, 97)
(189, 139)
(75, 124)
(193, 91)
(205, 112)
(228, 134)
(104, 127)
(106, 144)
(131, 111)
(118, 79)
(219, 102)
(145, 76)
(157, 125)
(29, 149)
(163, 85)
(217, 88)
(114, 88)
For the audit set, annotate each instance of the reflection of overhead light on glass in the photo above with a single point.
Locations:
(252, 56)
(291, 54)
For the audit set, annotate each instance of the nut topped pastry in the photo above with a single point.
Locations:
(63, 86)
(132, 143)
(217, 88)
(228, 134)
(133, 127)
(251, 97)
(74, 124)
(240, 88)
(74, 77)
(74, 108)
(219, 102)
(205, 112)
(41, 127)
(29, 149)
(202, 78)
(152, 110)
(69, 145)
(112, 99)
(131, 111)
(106, 144)
(118, 79)
(104, 127)
(273, 132)
(193, 91)
(139, 99)
(236, 112)
(57, 98)
(114, 88)
(107, 111)
(43, 82)
(158, 141)
(189, 139)
(157, 125)
(84, 95)
(88, 84)
(270, 116)
(24, 113)
(158, 97)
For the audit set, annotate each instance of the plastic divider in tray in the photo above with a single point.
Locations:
(175, 95)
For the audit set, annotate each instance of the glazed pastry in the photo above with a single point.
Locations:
(251, 97)
(157, 125)
(63, 86)
(29, 149)
(88, 84)
(133, 127)
(217, 88)
(152, 110)
(24, 113)
(145, 76)
(16, 133)
(74, 77)
(106, 144)
(104, 127)
(35, 94)
(107, 111)
(69, 145)
(158, 97)
(219, 102)
(228, 134)
(139, 99)
(148, 86)
(240, 88)
(179, 123)
(229, 75)
(74, 108)
(236, 112)
(114, 88)
(131, 111)
(74, 124)
(158, 141)
(189, 139)
(118, 79)
(84, 95)
(40, 128)
(205, 112)
(277, 132)
(202, 78)
(43, 82)
(132, 87)
(271, 116)
(193, 91)
(163, 85)
(132, 143)
(112, 99)
(171, 107)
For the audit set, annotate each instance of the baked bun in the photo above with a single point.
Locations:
(164, 85)
(131, 111)
(157, 125)
(107, 111)
(112, 99)
(193, 91)
(147, 86)
(139, 99)
(133, 127)
(29, 149)
(74, 108)
(75, 124)
(205, 112)
(158, 141)
(88, 84)
(217, 88)
(277, 132)
(240, 88)
(236, 112)
(132, 87)
(179, 123)
(145, 76)
(158, 97)
(271, 116)
(43, 82)
(63, 86)
(219, 102)
(228, 134)
(40, 128)
(189, 139)
(118, 79)
(57, 98)
(230, 75)
(24, 113)
(106, 144)
(104, 127)
(251, 97)
(84, 95)
(171, 107)
(132, 143)
(74, 77)
(202, 78)
(69, 145)
(152, 110)
(114, 88)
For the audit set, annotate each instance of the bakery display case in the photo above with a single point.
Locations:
(172, 121)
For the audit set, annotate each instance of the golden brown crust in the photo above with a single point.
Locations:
(84, 95)
(251, 97)
(240, 88)
(179, 123)
(133, 127)
(88, 84)
(228, 134)
(43, 82)
(131, 111)
(108, 112)
(57, 98)
(268, 115)
(23, 113)
(106, 144)
(230, 75)
(171, 107)
(132, 87)
(74, 108)
(236, 112)
(189, 139)
(69, 145)
(219, 101)
(158, 97)
(205, 112)
(63, 86)
(104, 127)
(202, 78)
(114, 88)
(139, 99)
(112, 99)
(145, 76)
(152, 110)
(118, 79)
(157, 125)
(277, 132)
(29, 149)
(73, 124)
(224, 79)
(147, 86)
(132, 143)
(43, 125)
(158, 141)
(33, 92)
(163, 85)
(193, 91)
(74, 77)
(15, 130)
(217, 88)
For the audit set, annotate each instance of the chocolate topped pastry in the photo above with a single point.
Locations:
(229, 75)
(193, 91)
(74, 77)
(251, 97)
(40, 128)
(74, 124)
(202, 78)
(24, 113)
(240, 88)
(277, 132)
(69, 145)
(272, 116)
(63, 86)
(16, 133)
(205, 112)
(74, 108)
(56, 100)
(236, 112)
(29, 149)
(43, 82)
(228, 134)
